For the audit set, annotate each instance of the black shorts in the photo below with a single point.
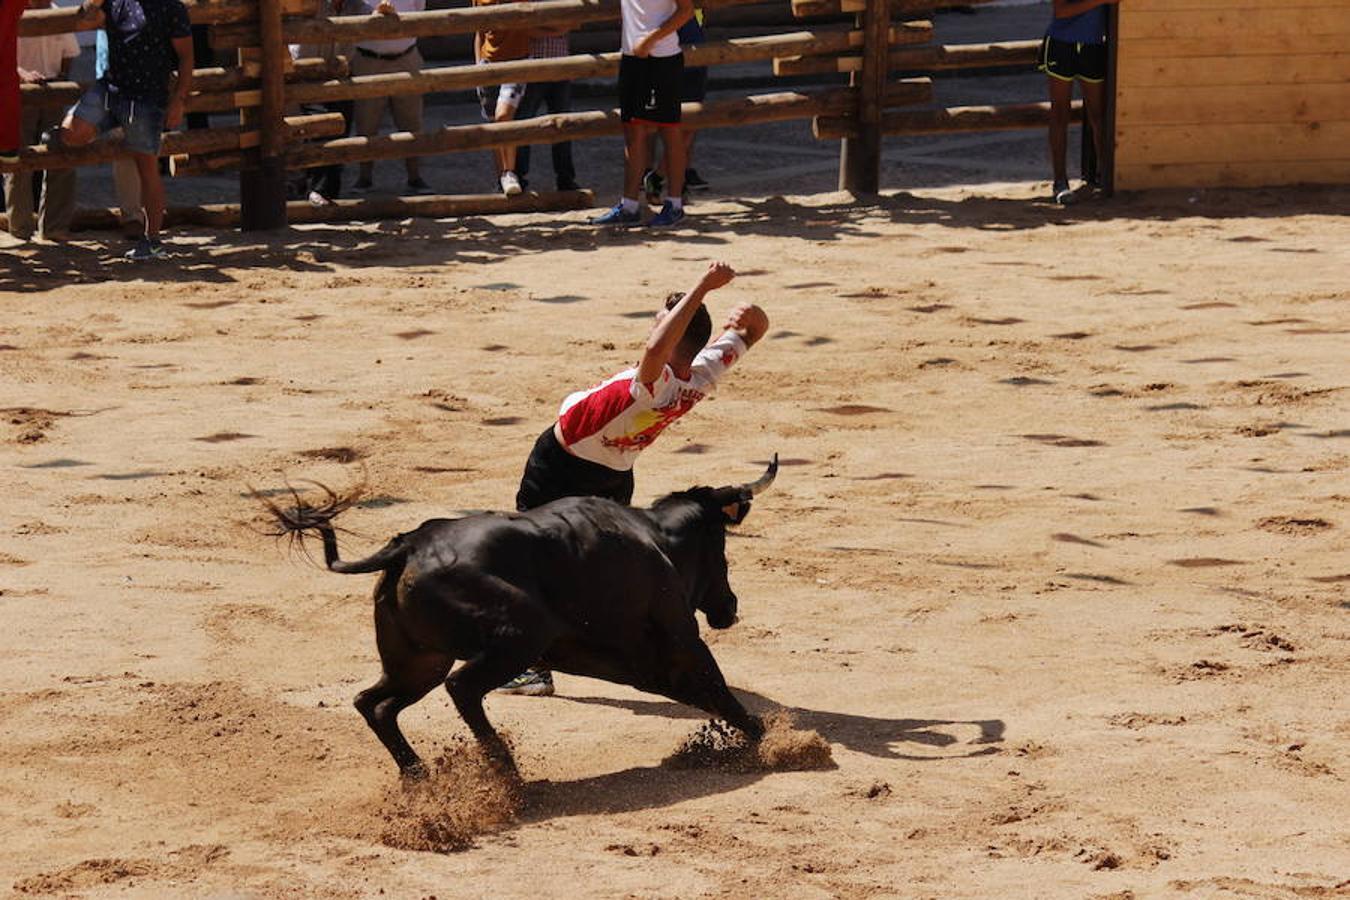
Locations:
(694, 84)
(649, 88)
(552, 473)
(1067, 61)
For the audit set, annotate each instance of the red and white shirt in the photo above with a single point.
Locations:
(614, 421)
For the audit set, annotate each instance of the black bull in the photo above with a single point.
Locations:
(582, 585)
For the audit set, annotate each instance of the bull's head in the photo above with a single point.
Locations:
(697, 528)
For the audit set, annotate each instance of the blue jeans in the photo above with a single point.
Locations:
(142, 121)
(558, 96)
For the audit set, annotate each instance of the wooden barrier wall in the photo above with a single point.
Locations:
(1232, 93)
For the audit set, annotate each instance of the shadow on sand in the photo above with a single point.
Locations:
(476, 239)
(653, 787)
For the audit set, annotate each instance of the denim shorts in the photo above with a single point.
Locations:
(142, 121)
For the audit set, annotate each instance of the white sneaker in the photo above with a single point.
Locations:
(510, 184)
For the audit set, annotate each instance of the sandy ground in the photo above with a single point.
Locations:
(1057, 560)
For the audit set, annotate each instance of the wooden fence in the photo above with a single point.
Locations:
(871, 40)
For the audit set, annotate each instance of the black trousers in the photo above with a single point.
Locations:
(552, 473)
(557, 96)
(327, 180)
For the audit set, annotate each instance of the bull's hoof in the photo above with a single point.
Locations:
(414, 773)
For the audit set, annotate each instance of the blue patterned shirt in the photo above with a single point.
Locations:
(140, 46)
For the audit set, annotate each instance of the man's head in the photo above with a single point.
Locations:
(696, 334)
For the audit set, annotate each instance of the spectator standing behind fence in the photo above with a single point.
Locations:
(557, 96)
(323, 184)
(148, 40)
(1074, 49)
(383, 58)
(42, 59)
(693, 89)
(126, 183)
(650, 71)
(10, 13)
(499, 102)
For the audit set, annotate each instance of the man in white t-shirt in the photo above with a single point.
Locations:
(590, 450)
(650, 74)
(386, 57)
(42, 59)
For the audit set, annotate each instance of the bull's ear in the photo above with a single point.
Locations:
(735, 513)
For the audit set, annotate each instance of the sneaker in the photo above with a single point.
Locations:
(362, 186)
(417, 186)
(530, 683)
(667, 217)
(616, 216)
(1062, 193)
(652, 185)
(693, 181)
(146, 248)
(318, 200)
(510, 184)
(568, 184)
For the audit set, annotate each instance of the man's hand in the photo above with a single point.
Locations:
(749, 321)
(28, 76)
(386, 9)
(173, 114)
(644, 45)
(718, 275)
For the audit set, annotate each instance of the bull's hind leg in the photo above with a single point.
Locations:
(409, 673)
(471, 682)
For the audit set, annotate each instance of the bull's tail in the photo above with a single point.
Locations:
(307, 518)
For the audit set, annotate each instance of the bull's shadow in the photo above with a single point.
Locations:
(862, 734)
(653, 787)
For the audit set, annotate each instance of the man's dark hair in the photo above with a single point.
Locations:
(697, 332)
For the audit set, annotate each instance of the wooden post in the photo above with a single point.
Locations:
(860, 157)
(262, 190)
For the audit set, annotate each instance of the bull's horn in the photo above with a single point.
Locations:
(758, 486)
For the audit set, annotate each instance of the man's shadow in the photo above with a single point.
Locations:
(652, 787)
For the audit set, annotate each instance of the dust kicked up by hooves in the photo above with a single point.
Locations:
(783, 748)
(464, 796)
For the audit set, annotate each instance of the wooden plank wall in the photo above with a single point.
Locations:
(1232, 93)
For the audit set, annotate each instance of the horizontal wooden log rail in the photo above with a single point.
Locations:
(805, 8)
(944, 58)
(456, 78)
(227, 215)
(756, 109)
(434, 23)
(205, 140)
(205, 82)
(954, 119)
(62, 20)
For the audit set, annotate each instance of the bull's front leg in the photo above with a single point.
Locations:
(695, 679)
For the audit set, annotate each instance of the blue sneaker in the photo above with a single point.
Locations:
(616, 216)
(667, 217)
(531, 683)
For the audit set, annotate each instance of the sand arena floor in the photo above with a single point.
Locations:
(1056, 562)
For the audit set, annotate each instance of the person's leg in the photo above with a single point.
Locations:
(366, 113)
(19, 187)
(508, 99)
(672, 136)
(636, 146)
(407, 112)
(1061, 100)
(152, 192)
(528, 109)
(127, 185)
(58, 191)
(10, 125)
(1094, 102)
(559, 96)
